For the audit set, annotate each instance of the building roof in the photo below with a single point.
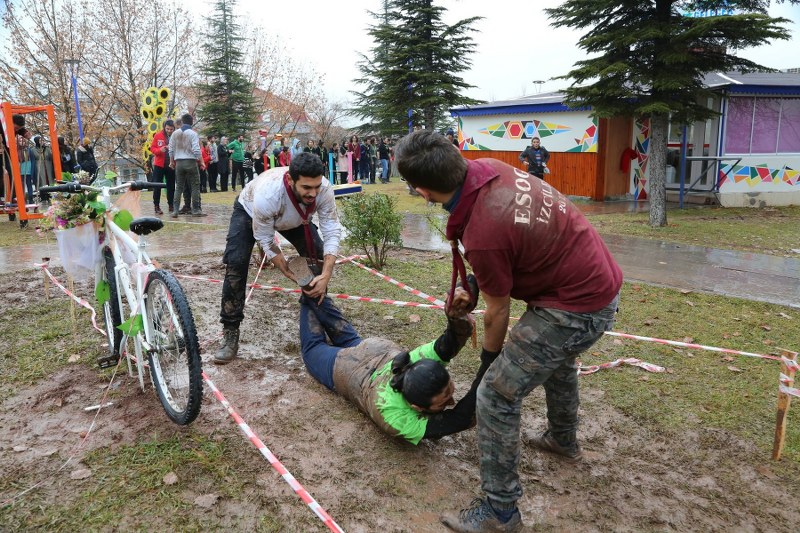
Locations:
(777, 83)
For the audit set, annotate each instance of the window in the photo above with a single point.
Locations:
(739, 126)
(762, 125)
(789, 136)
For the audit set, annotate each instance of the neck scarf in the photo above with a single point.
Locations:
(304, 215)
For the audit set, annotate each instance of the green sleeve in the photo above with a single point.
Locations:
(426, 351)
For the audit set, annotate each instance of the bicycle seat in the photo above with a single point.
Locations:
(146, 225)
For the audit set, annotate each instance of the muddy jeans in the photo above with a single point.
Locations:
(315, 322)
(541, 350)
(238, 250)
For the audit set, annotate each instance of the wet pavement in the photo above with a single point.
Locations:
(745, 275)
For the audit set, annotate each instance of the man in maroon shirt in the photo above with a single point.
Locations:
(524, 240)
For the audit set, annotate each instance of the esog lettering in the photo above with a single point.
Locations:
(524, 199)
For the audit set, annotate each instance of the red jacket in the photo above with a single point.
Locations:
(206, 155)
(160, 140)
(285, 158)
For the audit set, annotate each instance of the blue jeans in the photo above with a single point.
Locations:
(384, 170)
(315, 322)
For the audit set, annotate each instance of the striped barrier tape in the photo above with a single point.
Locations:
(276, 464)
(691, 345)
(80, 301)
(400, 284)
(650, 367)
(791, 364)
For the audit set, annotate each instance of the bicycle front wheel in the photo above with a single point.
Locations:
(111, 313)
(175, 352)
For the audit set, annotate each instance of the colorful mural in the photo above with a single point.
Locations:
(587, 143)
(524, 129)
(756, 174)
(641, 132)
(511, 132)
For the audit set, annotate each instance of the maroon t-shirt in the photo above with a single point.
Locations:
(526, 239)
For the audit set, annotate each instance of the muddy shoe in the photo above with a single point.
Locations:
(548, 443)
(299, 267)
(229, 348)
(480, 518)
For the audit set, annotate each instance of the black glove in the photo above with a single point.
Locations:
(487, 357)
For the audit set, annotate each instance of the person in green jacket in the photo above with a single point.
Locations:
(236, 149)
(406, 393)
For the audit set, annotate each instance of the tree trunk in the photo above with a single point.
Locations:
(658, 170)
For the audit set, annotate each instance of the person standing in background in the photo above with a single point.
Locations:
(212, 167)
(162, 172)
(223, 163)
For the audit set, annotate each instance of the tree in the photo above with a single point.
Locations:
(227, 105)
(412, 76)
(136, 46)
(651, 62)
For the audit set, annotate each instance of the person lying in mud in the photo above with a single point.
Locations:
(406, 393)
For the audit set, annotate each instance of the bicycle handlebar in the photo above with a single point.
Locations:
(77, 187)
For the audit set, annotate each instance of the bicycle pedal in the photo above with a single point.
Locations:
(108, 361)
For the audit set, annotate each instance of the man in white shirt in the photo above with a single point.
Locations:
(282, 202)
(185, 158)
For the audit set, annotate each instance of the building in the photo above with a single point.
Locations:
(748, 155)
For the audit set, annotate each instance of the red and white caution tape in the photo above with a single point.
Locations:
(275, 288)
(791, 364)
(791, 391)
(650, 367)
(691, 345)
(80, 301)
(400, 284)
(276, 464)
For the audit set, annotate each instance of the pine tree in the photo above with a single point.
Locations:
(227, 106)
(652, 60)
(412, 76)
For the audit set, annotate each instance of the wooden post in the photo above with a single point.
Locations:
(71, 285)
(784, 401)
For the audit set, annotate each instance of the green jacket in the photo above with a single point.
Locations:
(238, 151)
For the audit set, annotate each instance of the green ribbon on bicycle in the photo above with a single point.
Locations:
(123, 219)
(133, 326)
(102, 292)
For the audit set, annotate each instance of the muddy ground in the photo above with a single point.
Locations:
(633, 478)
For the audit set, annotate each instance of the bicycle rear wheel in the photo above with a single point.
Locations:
(111, 313)
(175, 353)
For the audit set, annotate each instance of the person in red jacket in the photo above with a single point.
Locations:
(355, 147)
(161, 169)
(285, 157)
(205, 153)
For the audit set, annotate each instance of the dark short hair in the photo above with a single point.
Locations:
(427, 159)
(18, 120)
(306, 164)
(187, 119)
(418, 382)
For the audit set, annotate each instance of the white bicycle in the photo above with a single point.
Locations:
(152, 303)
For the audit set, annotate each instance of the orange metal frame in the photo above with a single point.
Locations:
(8, 110)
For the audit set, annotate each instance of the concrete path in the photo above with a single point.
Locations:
(730, 273)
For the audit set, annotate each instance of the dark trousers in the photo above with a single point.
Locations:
(161, 175)
(203, 180)
(222, 168)
(363, 170)
(238, 172)
(212, 176)
(239, 248)
(248, 172)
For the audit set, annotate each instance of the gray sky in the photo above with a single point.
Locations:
(515, 44)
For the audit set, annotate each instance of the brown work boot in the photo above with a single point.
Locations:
(299, 267)
(229, 347)
(547, 442)
(480, 517)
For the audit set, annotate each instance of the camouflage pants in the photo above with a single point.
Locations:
(541, 350)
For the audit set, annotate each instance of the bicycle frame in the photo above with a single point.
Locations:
(131, 279)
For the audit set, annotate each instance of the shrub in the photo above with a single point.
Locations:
(372, 226)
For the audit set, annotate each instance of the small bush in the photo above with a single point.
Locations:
(373, 226)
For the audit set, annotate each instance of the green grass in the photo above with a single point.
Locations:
(771, 230)
(37, 340)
